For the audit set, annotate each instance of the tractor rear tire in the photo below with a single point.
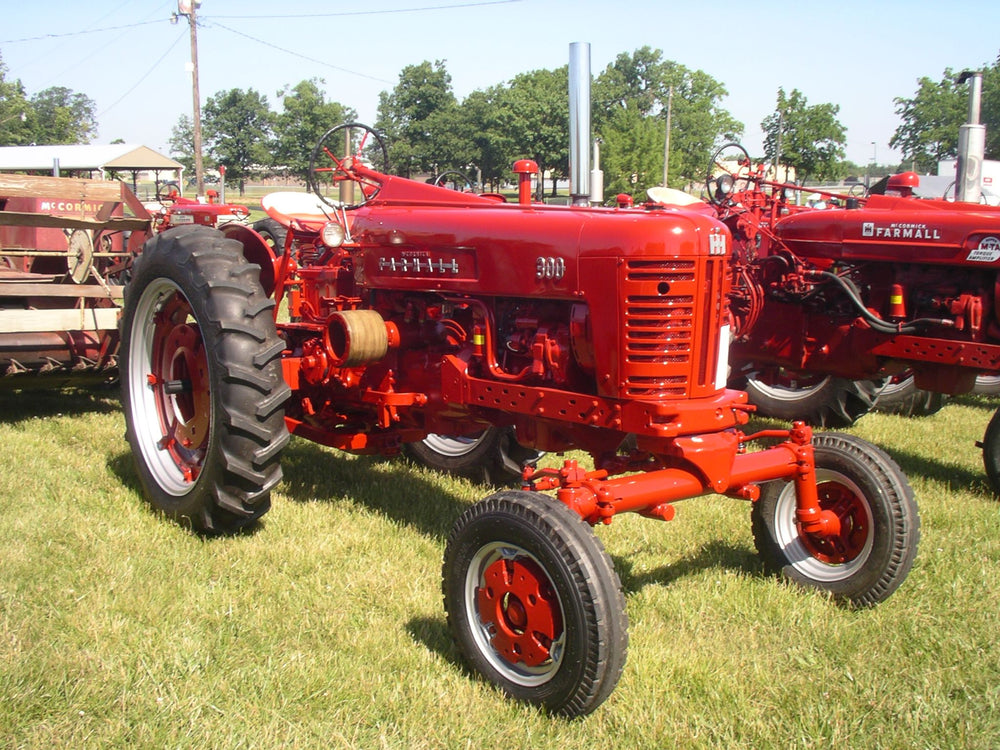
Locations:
(273, 232)
(201, 381)
(987, 385)
(492, 457)
(876, 543)
(830, 402)
(901, 396)
(534, 602)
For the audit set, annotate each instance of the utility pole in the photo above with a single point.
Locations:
(666, 143)
(189, 9)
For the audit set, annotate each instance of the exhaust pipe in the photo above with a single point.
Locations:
(579, 123)
(971, 144)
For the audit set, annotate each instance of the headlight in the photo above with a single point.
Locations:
(332, 234)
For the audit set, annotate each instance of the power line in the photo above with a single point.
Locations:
(144, 76)
(375, 12)
(296, 54)
(81, 33)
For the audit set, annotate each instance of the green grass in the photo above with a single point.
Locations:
(324, 627)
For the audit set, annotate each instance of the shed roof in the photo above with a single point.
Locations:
(84, 157)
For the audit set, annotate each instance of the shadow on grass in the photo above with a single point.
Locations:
(714, 555)
(387, 486)
(123, 467)
(916, 464)
(19, 405)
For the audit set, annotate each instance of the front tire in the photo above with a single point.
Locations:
(534, 602)
(879, 527)
(991, 452)
(201, 381)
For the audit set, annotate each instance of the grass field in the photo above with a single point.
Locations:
(324, 627)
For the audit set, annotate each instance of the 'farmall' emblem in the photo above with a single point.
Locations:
(899, 231)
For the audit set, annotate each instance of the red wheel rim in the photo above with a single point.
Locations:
(180, 383)
(851, 541)
(518, 603)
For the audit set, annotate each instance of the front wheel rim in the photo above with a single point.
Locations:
(169, 386)
(827, 558)
(514, 614)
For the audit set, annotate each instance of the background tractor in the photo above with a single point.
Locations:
(829, 306)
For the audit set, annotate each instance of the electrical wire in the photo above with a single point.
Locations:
(456, 6)
(295, 54)
(145, 75)
(81, 33)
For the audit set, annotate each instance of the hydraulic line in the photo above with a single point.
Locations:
(877, 323)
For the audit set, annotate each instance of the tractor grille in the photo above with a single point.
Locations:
(672, 318)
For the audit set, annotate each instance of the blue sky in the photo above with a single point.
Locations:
(129, 58)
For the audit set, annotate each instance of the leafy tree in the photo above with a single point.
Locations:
(634, 92)
(631, 152)
(812, 138)
(534, 111)
(182, 143)
(487, 145)
(58, 115)
(406, 117)
(237, 128)
(14, 110)
(930, 122)
(306, 115)
(932, 117)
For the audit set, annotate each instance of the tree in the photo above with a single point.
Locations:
(405, 116)
(932, 117)
(632, 93)
(812, 138)
(59, 115)
(182, 143)
(930, 122)
(534, 111)
(237, 128)
(631, 152)
(14, 109)
(486, 144)
(306, 115)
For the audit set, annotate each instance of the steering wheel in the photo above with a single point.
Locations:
(167, 192)
(332, 164)
(722, 179)
(455, 178)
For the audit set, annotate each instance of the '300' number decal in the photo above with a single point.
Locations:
(550, 268)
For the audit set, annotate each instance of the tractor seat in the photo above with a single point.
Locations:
(288, 208)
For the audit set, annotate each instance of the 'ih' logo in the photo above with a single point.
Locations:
(868, 229)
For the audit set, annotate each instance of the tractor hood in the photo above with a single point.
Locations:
(897, 229)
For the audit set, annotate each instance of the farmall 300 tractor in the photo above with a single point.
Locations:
(415, 309)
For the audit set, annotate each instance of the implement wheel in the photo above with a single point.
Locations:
(201, 380)
(534, 603)
(872, 551)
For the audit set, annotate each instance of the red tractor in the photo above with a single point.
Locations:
(869, 287)
(414, 309)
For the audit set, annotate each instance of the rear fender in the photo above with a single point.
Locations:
(255, 250)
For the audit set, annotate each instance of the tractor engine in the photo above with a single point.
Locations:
(872, 290)
(553, 321)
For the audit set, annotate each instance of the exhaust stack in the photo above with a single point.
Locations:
(579, 123)
(971, 144)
